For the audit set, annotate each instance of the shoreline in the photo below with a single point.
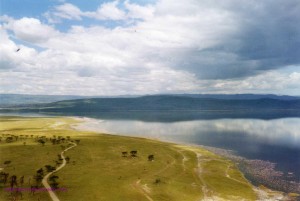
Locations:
(66, 123)
(257, 172)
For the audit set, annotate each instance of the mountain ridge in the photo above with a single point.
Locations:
(167, 108)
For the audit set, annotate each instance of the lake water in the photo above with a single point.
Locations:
(276, 140)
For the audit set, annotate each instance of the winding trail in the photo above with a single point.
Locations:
(184, 159)
(205, 188)
(45, 179)
(229, 177)
(142, 190)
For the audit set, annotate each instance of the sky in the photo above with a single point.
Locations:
(136, 47)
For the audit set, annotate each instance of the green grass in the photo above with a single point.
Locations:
(97, 171)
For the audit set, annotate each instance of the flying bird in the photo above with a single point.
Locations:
(18, 49)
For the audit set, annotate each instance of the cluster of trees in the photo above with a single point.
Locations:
(133, 153)
(13, 181)
(53, 181)
(9, 138)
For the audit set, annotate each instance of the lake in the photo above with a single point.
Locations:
(277, 140)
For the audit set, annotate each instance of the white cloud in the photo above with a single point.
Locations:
(166, 51)
(31, 30)
(109, 11)
(269, 82)
(68, 11)
(139, 12)
(10, 58)
(106, 11)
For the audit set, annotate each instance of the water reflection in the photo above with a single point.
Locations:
(284, 132)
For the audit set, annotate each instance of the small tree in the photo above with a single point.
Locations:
(53, 141)
(22, 180)
(9, 139)
(7, 163)
(133, 153)
(151, 157)
(49, 168)
(39, 176)
(68, 159)
(157, 181)
(41, 142)
(3, 177)
(124, 153)
(13, 181)
(53, 182)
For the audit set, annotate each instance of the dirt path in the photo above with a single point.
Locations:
(205, 189)
(143, 189)
(45, 179)
(229, 177)
(184, 159)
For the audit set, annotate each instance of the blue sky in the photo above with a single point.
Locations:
(149, 47)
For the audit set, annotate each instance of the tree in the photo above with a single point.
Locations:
(39, 176)
(7, 163)
(41, 141)
(124, 153)
(53, 178)
(9, 139)
(3, 177)
(53, 182)
(151, 157)
(157, 181)
(133, 153)
(49, 168)
(68, 159)
(13, 181)
(22, 180)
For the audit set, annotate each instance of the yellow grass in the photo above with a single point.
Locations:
(97, 171)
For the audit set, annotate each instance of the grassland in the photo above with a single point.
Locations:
(98, 171)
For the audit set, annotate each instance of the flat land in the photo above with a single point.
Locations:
(98, 170)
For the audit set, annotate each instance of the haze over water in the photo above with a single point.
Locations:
(276, 140)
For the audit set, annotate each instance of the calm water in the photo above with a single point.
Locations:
(273, 140)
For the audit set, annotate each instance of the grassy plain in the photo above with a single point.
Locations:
(97, 171)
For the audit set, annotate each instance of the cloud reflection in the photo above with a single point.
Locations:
(276, 132)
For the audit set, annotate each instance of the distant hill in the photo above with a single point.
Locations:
(241, 96)
(25, 99)
(20, 99)
(171, 108)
